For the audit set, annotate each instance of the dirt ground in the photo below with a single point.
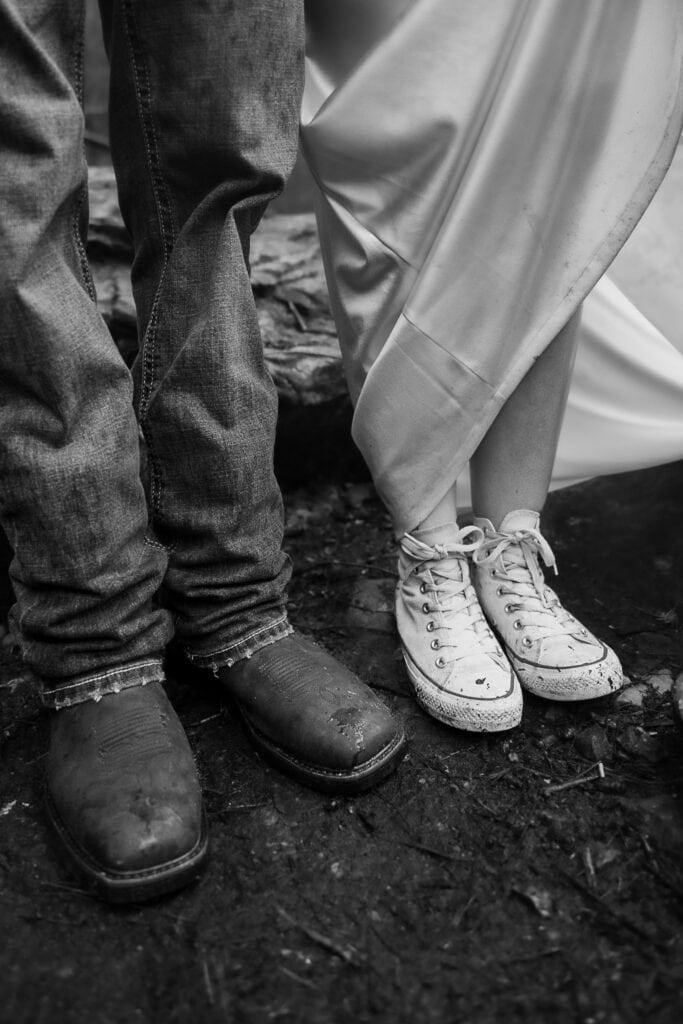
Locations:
(491, 879)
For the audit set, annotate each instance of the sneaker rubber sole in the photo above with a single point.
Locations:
(567, 683)
(467, 713)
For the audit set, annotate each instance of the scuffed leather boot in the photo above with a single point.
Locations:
(314, 719)
(123, 795)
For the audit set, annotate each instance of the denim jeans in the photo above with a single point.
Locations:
(203, 120)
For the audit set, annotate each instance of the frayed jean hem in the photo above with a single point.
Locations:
(95, 687)
(226, 657)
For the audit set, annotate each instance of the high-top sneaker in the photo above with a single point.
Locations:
(553, 655)
(455, 664)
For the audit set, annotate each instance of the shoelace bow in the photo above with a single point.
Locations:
(445, 576)
(516, 556)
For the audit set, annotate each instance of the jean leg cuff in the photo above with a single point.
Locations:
(225, 657)
(94, 687)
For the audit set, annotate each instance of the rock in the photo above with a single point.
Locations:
(358, 495)
(592, 743)
(661, 682)
(603, 854)
(638, 743)
(372, 605)
(298, 520)
(631, 696)
(540, 899)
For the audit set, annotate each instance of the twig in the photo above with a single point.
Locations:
(589, 866)
(492, 814)
(207, 983)
(221, 812)
(297, 315)
(530, 957)
(289, 277)
(580, 779)
(460, 916)
(315, 936)
(297, 977)
(95, 139)
(364, 820)
(73, 889)
(390, 949)
(11, 684)
(327, 331)
(203, 721)
(429, 850)
(300, 350)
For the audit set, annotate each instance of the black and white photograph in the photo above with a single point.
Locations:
(341, 511)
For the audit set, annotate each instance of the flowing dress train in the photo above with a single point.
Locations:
(480, 163)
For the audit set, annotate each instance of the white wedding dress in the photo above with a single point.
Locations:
(480, 163)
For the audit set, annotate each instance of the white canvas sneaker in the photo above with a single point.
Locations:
(553, 655)
(456, 667)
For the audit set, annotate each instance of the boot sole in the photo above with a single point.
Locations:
(120, 887)
(329, 780)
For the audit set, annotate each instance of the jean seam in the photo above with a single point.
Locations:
(163, 207)
(22, 611)
(166, 548)
(143, 93)
(78, 242)
(81, 195)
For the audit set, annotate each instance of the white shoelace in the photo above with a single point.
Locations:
(516, 557)
(444, 575)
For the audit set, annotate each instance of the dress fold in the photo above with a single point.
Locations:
(480, 163)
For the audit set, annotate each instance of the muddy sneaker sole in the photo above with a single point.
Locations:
(467, 713)
(597, 678)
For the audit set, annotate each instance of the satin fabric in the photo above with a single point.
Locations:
(479, 164)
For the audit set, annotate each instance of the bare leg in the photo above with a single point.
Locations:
(552, 654)
(445, 512)
(512, 466)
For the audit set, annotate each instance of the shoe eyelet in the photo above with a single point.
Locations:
(509, 609)
(431, 626)
(425, 608)
(440, 663)
(518, 624)
(527, 641)
(583, 631)
(435, 644)
(494, 572)
(423, 588)
(500, 591)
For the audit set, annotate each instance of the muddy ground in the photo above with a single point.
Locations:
(491, 879)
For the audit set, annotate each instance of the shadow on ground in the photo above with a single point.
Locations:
(492, 879)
